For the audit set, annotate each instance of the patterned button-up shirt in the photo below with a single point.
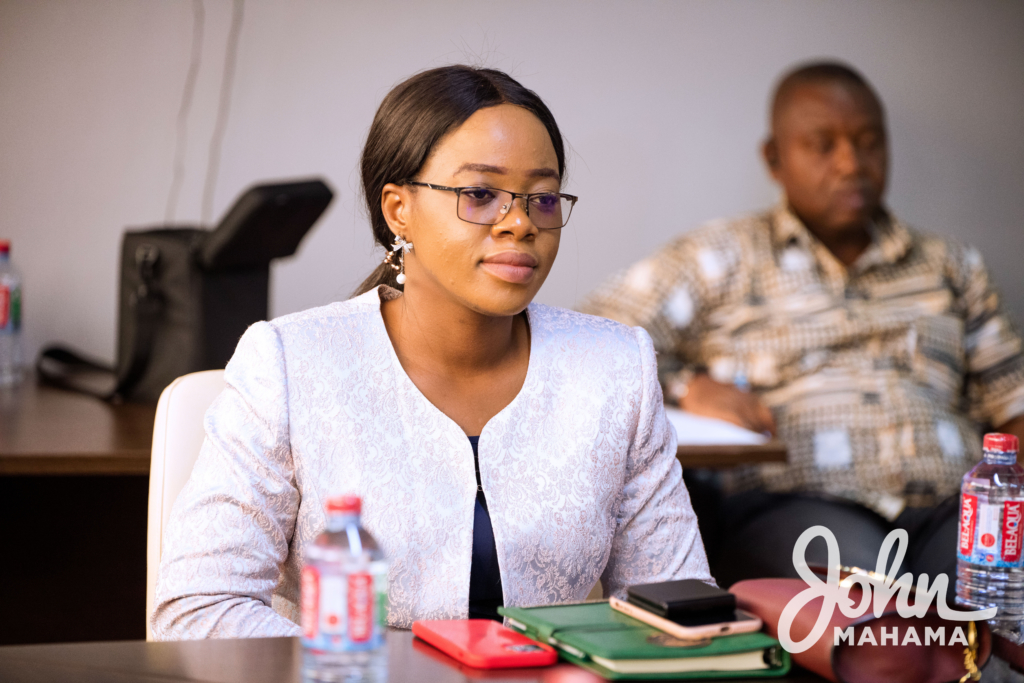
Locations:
(880, 375)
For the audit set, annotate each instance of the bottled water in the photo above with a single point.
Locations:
(10, 318)
(344, 600)
(990, 565)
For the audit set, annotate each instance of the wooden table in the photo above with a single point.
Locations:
(93, 585)
(723, 456)
(77, 568)
(48, 431)
(269, 660)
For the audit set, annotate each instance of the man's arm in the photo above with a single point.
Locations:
(704, 396)
(994, 351)
(669, 295)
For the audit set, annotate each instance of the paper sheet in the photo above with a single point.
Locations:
(694, 430)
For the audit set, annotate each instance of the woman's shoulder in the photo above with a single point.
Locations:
(357, 309)
(577, 329)
(580, 354)
(306, 331)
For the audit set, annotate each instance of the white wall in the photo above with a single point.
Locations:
(663, 104)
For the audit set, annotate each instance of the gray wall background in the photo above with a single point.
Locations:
(663, 105)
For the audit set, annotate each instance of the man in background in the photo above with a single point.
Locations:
(876, 352)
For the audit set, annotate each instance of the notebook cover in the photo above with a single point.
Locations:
(595, 629)
(700, 675)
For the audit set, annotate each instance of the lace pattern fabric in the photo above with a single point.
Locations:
(579, 471)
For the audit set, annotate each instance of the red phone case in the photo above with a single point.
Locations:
(484, 644)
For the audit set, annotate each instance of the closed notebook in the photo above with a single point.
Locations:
(618, 647)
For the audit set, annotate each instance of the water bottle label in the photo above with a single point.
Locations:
(310, 602)
(360, 607)
(1013, 510)
(990, 533)
(379, 571)
(340, 612)
(10, 309)
(332, 606)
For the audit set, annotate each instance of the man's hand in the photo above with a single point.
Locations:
(709, 398)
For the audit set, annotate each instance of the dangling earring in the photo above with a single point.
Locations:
(399, 249)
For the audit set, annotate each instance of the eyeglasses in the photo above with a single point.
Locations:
(489, 206)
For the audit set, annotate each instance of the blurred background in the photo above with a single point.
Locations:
(663, 105)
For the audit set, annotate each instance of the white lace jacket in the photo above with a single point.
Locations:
(579, 470)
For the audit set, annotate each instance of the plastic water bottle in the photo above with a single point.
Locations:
(344, 600)
(10, 318)
(990, 565)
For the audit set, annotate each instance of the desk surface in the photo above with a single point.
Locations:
(723, 456)
(44, 430)
(48, 431)
(271, 660)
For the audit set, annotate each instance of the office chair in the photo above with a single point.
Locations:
(177, 437)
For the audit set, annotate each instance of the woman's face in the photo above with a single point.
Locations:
(495, 270)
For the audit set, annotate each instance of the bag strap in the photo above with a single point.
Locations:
(65, 368)
(62, 367)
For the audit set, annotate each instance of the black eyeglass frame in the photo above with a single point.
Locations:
(525, 195)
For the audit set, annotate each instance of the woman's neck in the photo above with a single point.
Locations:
(469, 365)
(444, 335)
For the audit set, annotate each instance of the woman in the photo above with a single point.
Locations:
(576, 478)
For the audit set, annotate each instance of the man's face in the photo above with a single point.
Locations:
(829, 152)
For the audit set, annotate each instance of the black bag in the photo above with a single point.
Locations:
(188, 294)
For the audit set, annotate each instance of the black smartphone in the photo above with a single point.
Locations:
(687, 602)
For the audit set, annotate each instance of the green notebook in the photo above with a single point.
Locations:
(618, 647)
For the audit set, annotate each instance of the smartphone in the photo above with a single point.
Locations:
(526, 675)
(484, 644)
(715, 624)
(681, 601)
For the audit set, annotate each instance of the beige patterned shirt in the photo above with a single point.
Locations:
(880, 376)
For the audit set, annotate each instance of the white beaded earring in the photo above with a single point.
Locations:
(400, 248)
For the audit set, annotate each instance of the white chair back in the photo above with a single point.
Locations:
(178, 434)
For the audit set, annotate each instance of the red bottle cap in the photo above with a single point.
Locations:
(5, 247)
(1003, 443)
(344, 504)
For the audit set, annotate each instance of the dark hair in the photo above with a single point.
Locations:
(414, 116)
(816, 73)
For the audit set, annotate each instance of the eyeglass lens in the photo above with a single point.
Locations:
(488, 206)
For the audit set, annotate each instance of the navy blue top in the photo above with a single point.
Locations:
(485, 596)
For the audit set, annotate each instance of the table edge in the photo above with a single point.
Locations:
(132, 462)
